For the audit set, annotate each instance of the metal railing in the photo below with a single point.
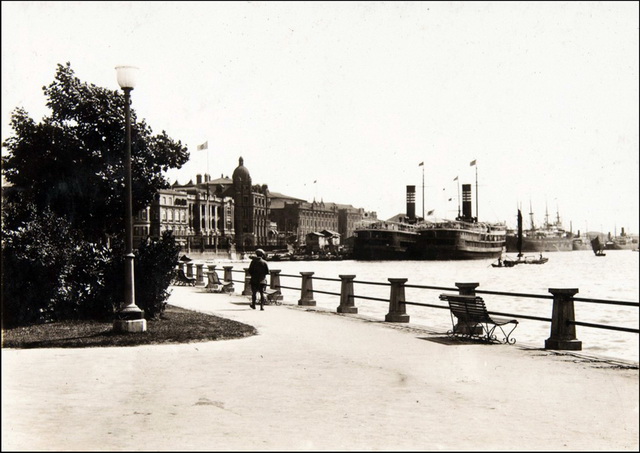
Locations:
(562, 321)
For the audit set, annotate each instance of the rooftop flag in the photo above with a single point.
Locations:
(455, 179)
(430, 212)
(205, 145)
(420, 164)
(473, 162)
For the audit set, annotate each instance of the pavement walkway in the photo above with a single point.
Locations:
(314, 380)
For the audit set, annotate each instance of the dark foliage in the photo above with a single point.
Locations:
(63, 216)
(155, 261)
(73, 162)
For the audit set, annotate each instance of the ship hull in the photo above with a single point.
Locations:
(375, 245)
(459, 244)
(539, 244)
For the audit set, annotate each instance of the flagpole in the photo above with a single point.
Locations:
(423, 192)
(476, 165)
(458, 180)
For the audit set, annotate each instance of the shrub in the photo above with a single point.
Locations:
(155, 261)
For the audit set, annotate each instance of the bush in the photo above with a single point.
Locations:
(155, 262)
(35, 259)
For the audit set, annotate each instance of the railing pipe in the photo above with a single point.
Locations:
(563, 329)
(346, 295)
(306, 290)
(397, 307)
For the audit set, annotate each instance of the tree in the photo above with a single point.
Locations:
(67, 175)
(73, 161)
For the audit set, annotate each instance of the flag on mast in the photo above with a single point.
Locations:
(455, 179)
(205, 145)
(420, 164)
(473, 162)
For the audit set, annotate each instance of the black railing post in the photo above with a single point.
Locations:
(467, 289)
(199, 274)
(306, 290)
(397, 307)
(228, 277)
(247, 283)
(563, 333)
(274, 283)
(346, 295)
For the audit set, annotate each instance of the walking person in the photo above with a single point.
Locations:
(258, 270)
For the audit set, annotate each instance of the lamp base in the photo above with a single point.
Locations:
(130, 326)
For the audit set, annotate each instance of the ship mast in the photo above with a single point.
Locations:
(531, 216)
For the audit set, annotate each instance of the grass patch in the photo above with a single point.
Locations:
(176, 325)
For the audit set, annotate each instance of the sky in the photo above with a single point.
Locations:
(342, 101)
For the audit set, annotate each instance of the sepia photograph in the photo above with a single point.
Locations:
(320, 226)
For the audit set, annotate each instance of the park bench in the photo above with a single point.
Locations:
(474, 321)
(180, 279)
(216, 285)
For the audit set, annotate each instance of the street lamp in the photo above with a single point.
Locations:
(130, 318)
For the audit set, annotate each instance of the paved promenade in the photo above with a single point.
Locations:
(313, 380)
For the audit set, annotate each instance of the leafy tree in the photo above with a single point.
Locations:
(73, 161)
(67, 175)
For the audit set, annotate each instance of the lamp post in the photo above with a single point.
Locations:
(130, 318)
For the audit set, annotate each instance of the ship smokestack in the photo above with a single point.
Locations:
(466, 202)
(411, 202)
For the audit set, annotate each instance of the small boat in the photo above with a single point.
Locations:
(521, 259)
(597, 246)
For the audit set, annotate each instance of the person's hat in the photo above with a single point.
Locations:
(260, 252)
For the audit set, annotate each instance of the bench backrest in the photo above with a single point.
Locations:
(467, 307)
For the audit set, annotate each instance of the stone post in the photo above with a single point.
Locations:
(190, 270)
(212, 267)
(306, 290)
(228, 277)
(247, 283)
(563, 334)
(467, 289)
(274, 283)
(346, 295)
(199, 274)
(397, 307)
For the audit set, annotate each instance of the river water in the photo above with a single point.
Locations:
(613, 277)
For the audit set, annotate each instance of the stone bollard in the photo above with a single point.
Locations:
(211, 267)
(199, 274)
(306, 291)
(274, 283)
(467, 289)
(247, 283)
(397, 307)
(563, 334)
(228, 276)
(346, 295)
(189, 269)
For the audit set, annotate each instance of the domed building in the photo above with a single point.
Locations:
(252, 206)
